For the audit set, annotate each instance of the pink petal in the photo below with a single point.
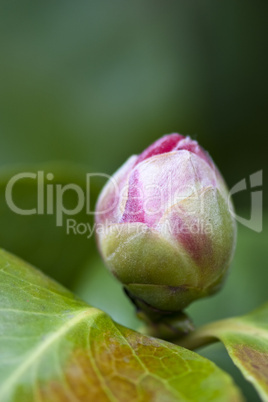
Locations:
(165, 144)
(161, 181)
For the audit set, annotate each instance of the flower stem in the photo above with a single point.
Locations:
(205, 335)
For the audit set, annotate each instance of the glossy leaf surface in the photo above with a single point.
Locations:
(246, 340)
(54, 347)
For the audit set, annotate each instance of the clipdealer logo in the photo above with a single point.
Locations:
(47, 193)
(50, 199)
(255, 222)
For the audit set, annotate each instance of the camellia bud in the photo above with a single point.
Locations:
(164, 227)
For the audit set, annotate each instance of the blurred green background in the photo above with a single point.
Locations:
(85, 84)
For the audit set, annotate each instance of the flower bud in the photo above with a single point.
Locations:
(164, 227)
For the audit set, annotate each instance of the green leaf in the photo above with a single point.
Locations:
(54, 347)
(246, 340)
(57, 250)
